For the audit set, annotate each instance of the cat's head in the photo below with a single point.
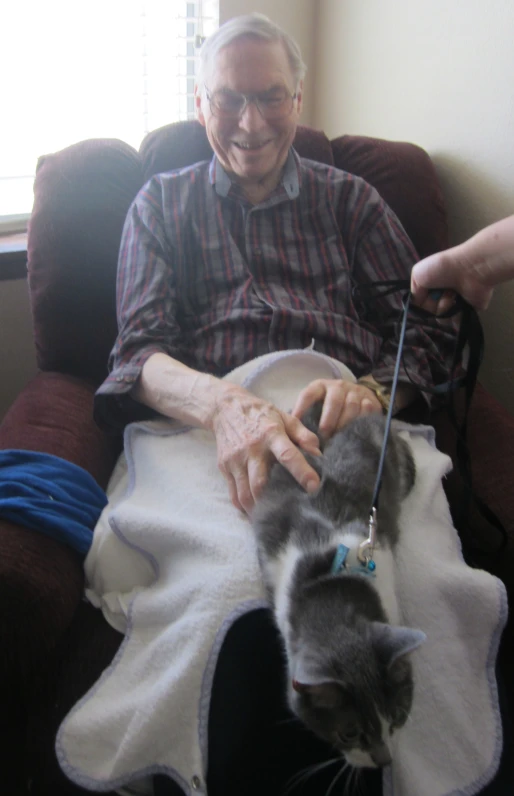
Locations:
(355, 690)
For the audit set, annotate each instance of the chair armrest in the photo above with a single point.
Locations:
(491, 445)
(41, 580)
(490, 440)
(54, 414)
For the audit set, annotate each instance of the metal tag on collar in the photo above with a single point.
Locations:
(366, 548)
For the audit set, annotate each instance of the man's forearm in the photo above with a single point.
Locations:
(179, 392)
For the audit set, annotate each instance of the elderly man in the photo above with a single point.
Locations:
(222, 262)
(253, 252)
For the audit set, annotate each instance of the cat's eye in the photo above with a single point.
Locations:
(349, 737)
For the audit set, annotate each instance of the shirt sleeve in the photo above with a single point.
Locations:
(384, 252)
(146, 309)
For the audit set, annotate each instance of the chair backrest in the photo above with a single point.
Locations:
(82, 195)
(405, 176)
(81, 198)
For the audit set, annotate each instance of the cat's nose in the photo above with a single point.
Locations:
(380, 755)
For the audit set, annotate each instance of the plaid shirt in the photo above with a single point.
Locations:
(214, 281)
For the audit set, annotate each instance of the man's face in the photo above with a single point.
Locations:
(250, 148)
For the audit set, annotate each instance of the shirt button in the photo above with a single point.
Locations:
(196, 782)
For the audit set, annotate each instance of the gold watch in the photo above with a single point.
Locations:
(383, 393)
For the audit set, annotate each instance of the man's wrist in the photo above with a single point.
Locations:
(223, 394)
(405, 393)
(381, 392)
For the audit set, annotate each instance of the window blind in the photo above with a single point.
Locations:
(101, 69)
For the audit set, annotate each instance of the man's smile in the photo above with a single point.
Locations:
(255, 146)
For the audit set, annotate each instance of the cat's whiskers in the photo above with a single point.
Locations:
(344, 767)
(292, 720)
(309, 771)
(348, 786)
(353, 782)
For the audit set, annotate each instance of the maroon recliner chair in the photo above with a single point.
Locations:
(54, 645)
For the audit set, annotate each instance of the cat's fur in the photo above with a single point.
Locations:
(350, 679)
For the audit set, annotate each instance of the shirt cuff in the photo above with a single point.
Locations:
(114, 407)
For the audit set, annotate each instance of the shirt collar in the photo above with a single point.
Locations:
(290, 181)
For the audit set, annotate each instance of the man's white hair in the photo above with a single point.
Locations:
(256, 25)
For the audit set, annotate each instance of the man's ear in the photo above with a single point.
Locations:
(299, 97)
(198, 104)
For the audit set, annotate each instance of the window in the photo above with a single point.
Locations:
(101, 69)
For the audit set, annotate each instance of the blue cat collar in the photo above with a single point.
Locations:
(339, 559)
(346, 562)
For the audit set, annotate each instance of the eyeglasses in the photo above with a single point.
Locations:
(274, 104)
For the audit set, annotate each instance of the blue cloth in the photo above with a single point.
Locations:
(49, 494)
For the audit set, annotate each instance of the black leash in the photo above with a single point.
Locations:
(470, 334)
(366, 548)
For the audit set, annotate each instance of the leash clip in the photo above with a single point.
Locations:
(366, 548)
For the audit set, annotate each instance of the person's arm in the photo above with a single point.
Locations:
(146, 299)
(147, 370)
(472, 269)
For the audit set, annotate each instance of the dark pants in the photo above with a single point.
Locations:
(255, 747)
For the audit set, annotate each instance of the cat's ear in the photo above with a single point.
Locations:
(327, 695)
(392, 641)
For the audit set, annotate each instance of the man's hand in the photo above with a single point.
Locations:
(342, 402)
(249, 433)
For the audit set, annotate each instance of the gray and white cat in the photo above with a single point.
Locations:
(350, 680)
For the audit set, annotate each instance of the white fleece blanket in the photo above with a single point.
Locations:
(172, 566)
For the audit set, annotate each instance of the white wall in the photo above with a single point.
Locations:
(439, 73)
(298, 18)
(17, 355)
